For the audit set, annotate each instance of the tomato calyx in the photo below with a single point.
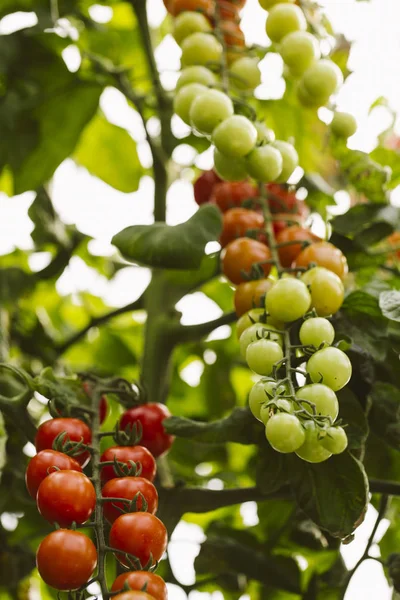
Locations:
(122, 469)
(131, 435)
(133, 561)
(62, 443)
(131, 505)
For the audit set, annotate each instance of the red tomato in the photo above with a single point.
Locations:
(287, 254)
(323, 254)
(134, 596)
(66, 559)
(151, 417)
(136, 580)
(231, 194)
(251, 294)
(128, 487)
(237, 222)
(65, 497)
(126, 454)
(41, 465)
(283, 220)
(233, 35)
(204, 185)
(240, 255)
(281, 200)
(76, 429)
(103, 407)
(140, 534)
(204, 6)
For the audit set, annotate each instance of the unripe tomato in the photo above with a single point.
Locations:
(76, 430)
(262, 356)
(128, 487)
(288, 300)
(251, 294)
(127, 454)
(330, 366)
(241, 254)
(343, 124)
(140, 534)
(228, 10)
(134, 595)
(323, 254)
(204, 6)
(231, 194)
(204, 185)
(284, 432)
(288, 253)
(228, 168)
(41, 465)
(150, 417)
(312, 450)
(326, 288)
(136, 580)
(237, 222)
(233, 35)
(335, 440)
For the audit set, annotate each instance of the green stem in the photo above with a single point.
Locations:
(4, 334)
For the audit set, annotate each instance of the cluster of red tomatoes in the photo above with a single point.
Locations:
(65, 496)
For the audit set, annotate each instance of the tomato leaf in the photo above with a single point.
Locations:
(384, 416)
(361, 216)
(271, 473)
(354, 417)
(389, 303)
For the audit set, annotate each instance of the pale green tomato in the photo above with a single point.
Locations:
(196, 74)
(236, 136)
(290, 159)
(256, 332)
(335, 440)
(299, 50)
(189, 22)
(262, 356)
(262, 392)
(184, 99)
(326, 288)
(264, 135)
(264, 163)
(248, 319)
(282, 405)
(209, 110)
(288, 300)
(317, 332)
(284, 19)
(343, 124)
(322, 79)
(307, 100)
(330, 366)
(245, 73)
(199, 49)
(312, 450)
(229, 169)
(325, 400)
(267, 4)
(285, 433)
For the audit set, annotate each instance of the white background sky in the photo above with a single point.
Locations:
(101, 211)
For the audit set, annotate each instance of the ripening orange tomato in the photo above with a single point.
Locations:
(323, 254)
(230, 194)
(239, 257)
(233, 35)
(204, 6)
(287, 254)
(237, 222)
(251, 294)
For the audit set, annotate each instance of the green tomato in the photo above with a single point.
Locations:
(199, 49)
(262, 392)
(307, 100)
(290, 159)
(269, 410)
(325, 400)
(288, 300)
(299, 50)
(236, 136)
(317, 332)
(312, 450)
(326, 288)
(322, 79)
(335, 440)
(330, 366)
(264, 163)
(261, 356)
(189, 22)
(264, 135)
(267, 4)
(184, 99)
(248, 319)
(196, 74)
(256, 332)
(285, 433)
(229, 169)
(245, 73)
(209, 110)
(343, 124)
(284, 19)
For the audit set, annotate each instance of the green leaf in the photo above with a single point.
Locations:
(388, 158)
(389, 303)
(14, 282)
(361, 216)
(271, 472)
(49, 229)
(171, 247)
(384, 415)
(109, 152)
(65, 390)
(353, 417)
(360, 302)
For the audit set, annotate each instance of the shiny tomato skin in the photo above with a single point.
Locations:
(151, 417)
(237, 222)
(323, 254)
(41, 465)
(284, 220)
(76, 430)
(138, 579)
(287, 254)
(204, 185)
(251, 294)
(128, 487)
(66, 559)
(140, 534)
(240, 255)
(231, 194)
(124, 454)
(281, 200)
(65, 497)
(204, 6)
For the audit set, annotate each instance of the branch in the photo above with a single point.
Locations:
(379, 486)
(188, 333)
(60, 261)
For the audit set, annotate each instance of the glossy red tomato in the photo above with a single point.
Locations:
(151, 417)
(204, 185)
(140, 534)
(136, 580)
(287, 254)
(66, 559)
(103, 407)
(44, 463)
(251, 294)
(204, 6)
(127, 454)
(76, 429)
(237, 222)
(240, 255)
(128, 487)
(65, 497)
(233, 35)
(231, 194)
(323, 254)
(281, 200)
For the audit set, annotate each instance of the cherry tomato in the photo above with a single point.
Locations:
(204, 185)
(281, 200)
(134, 596)
(237, 222)
(124, 454)
(240, 255)
(233, 35)
(103, 407)
(251, 294)
(76, 429)
(204, 6)
(150, 416)
(66, 496)
(41, 465)
(66, 559)
(287, 254)
(325, 255)
(231, 194)
(128, 487)
(228, 11)
(140, 534)
(284, 220)
(136, 580)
